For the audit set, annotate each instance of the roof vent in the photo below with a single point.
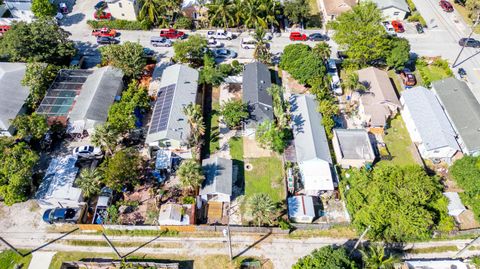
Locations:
(262, 81)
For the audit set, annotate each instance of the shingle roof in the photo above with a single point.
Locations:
(354, 144)
(256, 81)
(400, 4)
(337, 7)
(429, 118)
(218, 176)
(463, 110)
(12, 93)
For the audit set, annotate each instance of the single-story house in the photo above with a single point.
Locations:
(173, 214)
(218, 182)
(311, 145)
(393, 9)
(12, 95)
(435, 264)
(256, 81)
(123, 9)
(57, 188)
(463, 111)
(352, 147)
(300, 209)
(333, 8)
(81, 99)
(455, 206)
(428, 125)
(379, 102)
(169, 127)
(20, 9)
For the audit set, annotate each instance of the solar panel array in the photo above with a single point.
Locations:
(161, 112)
(61, 94)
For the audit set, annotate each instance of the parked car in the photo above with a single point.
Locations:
(101, 5)
(213, 43)
(408, 78)
(220, 34)
(419, 28)
(104, 32)
(172, 34)
(297, 36)
(398, 27)
(157, 41)
(462, 73)
(62, 7)
(224, 54)
(148, 53)
(87, 152)
(248, 43)
(318, 37)
(103, 202)
(106, 40)
(389, 28)
(332, 71)
(446, 6)
(62, 215)
(469, 42)
(102, 15)
(4, 28)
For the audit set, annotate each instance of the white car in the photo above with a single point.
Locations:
(87, 152)
(213, 43)
(389, 28)
(220, 34)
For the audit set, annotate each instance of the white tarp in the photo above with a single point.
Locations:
(455, 206)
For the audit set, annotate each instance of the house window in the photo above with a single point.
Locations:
(120, 5)
(396, 13)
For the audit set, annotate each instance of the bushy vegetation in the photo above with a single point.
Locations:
(120, 24)
(466, 173)
(437, 70)
(122, 169)
(302, 63)
(128, 57)
(183, 23)
(328, 257)
(234, 112)
(191, 50)
(38, 77)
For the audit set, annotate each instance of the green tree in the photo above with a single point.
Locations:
(328, 108)
(106, 138)
(374, 258)
(128, 57)
(193, 112)
(184, 23)
(361, 32)
(322, 50)
(152, 11)
(465, 172)
(89, 182)
(38, 78)
(297, 11)
(262, 208)
(32, 126)
(122, 169)
(191, 50)
(210, 73)
(221, 12)
(39, 41)
(326, 257)
(253, 13)
(279, 106)
(352, 82)
(190, 175)
(268, 136)
(302, 63)
(262, 48)
(43, 8)
(399, 54)
(234, 112)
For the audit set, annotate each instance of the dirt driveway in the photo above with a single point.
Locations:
(23, 217)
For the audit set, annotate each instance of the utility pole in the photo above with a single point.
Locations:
(466, 247)
(226, 232)
(360, 239)
(469, 36)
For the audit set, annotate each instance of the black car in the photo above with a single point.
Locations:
(469, 42)
(106, 40)
(61, 215)
(419, 28)
(318, 37)
(148, 53)
(462, 72)
(101, 5)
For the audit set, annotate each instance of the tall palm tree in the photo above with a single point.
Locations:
(323, 50)
(262, 50)
(195, 120)
(253, 14)
(152, 10)
(89, 182)
(190, 175)
(262, 208)
(271, 9)
(279, 106)
(105, 137)
(221, 13)
(375, 258)
(352, 82)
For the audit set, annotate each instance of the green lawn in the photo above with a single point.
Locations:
(398, 143)
(236, 148)
(396, 80)
(214, 129)
(8, 259)
(429, 73)
(315, 19)
(464, 13)
(265, 177)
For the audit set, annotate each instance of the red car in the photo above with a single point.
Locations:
(446, 6)
(408, 78)
(104, 32)
(398, 27)
(102, 15)
(3, 29)
(297, 36)
(172, 34)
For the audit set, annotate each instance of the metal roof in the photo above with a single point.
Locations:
(299, 206)
(256, 81)
(354, 144)
(463, 110)
(183, 81)
(218, 176)
(400, 4)
(429, 118)
(12, 93)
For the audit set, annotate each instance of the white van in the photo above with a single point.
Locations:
(248, 43)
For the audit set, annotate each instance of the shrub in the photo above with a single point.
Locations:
(284, 225)
(188, 200)
(120, 24)
(183, 23)
(417, 17)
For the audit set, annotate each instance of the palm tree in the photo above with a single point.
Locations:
(152, 10)
(89, 182)
(253, 14)
(190, 175)
(352, 82)
(195, 120)
(375, 258)
(262, 208)
(105, 137)
(221, 12)
(279, 106)
(323, 50)
(271, 9)
(262, 50)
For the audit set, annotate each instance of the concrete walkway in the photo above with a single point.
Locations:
(41, 259)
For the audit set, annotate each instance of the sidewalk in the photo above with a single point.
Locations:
(41, 259)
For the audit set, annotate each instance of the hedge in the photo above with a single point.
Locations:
(120, 24)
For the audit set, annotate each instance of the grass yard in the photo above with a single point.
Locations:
(396, 80)
(236, 148)
(214, 129)
(398, 143)
(429, 73)
(315, 19)
(265, 177)
(464, 13)
(8, 259)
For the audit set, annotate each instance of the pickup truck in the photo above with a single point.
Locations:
(63, 215)
(102, 15)
(103, 202)
(172, 34)
(104, 32)
(220, 34)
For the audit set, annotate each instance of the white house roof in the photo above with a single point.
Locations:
(455, 206)
(12, 93)
(429, 118)
(354, 144)
(316, 175)
(218, 176)
(384, 4)
(299, 206)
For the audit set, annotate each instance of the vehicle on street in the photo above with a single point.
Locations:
(248, 43)
(62, 7)
(408, 78)
(213, 43)
(446, 6)
(389, 28)
(419, 28)
(4, 29)
(103, 202)
(148, 53)
(469, 42)
(224, 54)
(335, 83)
(87, 152)
(102, 15)
(341, 55)
(101, 5)
(220, 34)
(106, 40)
(398, 27)
(297, 36)
(62, 215)
(172, 34)
(462, 73)
(104, 32)
(318, 37)
(157, 41)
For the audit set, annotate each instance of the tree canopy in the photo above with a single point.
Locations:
(43, 8)
(38, 77)
(262, 208)
(234, 112)
(466, 173)
(123, 169)
(268, 136)
(398, 203)
(190, 174)
(191, 50)
(39, 41)
(302, 63)
(296, 10)
(128, 57)
(32, 126)
(327, 257)
(399, 53)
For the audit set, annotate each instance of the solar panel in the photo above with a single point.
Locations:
(162, 108)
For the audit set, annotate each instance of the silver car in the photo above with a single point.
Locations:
(158, 41)
(224, 54)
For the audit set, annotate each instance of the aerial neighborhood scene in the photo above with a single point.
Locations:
(239, 134)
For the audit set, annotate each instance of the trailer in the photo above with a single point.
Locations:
(103, 202)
